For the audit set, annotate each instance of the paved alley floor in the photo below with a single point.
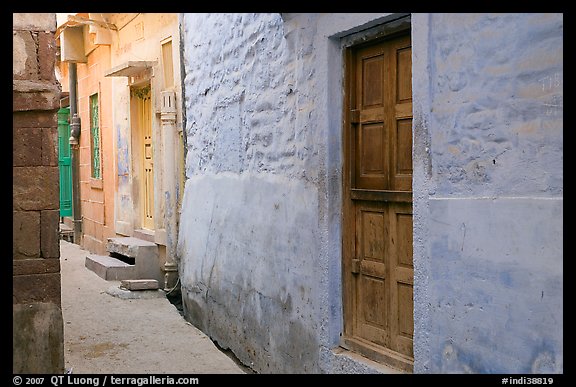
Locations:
(104, 333)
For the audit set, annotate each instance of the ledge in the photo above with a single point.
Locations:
(130, 69)
(96, 183)
(352, 362)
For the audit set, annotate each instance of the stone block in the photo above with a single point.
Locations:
(139, 284)
(36, 100)
(35, 266)
(35, 188)
(34, 119)
(46, 55)
(131, 247)
(34, 21)
(26, 234)
(145, 255)
(36, 288)
(109, 268)
(50, 146)
(37, 339)
(49, 229)
(25, 145)
(24, 63)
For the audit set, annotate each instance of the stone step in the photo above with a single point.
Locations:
(144, 253)
(66, 233)
(130, 246)
(139, 284)
(143, 234)
(109, 268)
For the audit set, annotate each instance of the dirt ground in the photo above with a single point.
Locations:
(106, 330)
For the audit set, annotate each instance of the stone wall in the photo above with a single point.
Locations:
(37, 316)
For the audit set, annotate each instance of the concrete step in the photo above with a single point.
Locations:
(66, 233)
(139, 284)
(109, 268)
(144, 253)
(130, 246)
(147, 235)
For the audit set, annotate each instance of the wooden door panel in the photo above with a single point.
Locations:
(371, 169)
(371, 162)
(401, 133)
(371, 230)
(402, 277)
(370, 272)
(402, 155)
(372, 76)
(404, 342)
(371, 324)
(371, 73)
(403, 147)
(147, 158)
(370, 226)
(402, 238)
(378, 200)
(403, 54)
(372, 299)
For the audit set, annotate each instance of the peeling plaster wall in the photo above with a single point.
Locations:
(259, 241)
(488, 193)
(249, 236)
(260, 228)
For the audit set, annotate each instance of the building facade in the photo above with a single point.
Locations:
(131, 152)
(375, 192)
(37, 325)
(148, 143)
(91, 56)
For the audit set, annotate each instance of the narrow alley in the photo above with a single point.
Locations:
(108, 330)
(328, 193)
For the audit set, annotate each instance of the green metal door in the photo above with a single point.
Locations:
(64, 165)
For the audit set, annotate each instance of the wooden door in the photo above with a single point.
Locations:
(144, 113)
(64, 165)
(377, 240)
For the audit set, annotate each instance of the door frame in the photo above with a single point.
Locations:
(374, 35)
(137, 154)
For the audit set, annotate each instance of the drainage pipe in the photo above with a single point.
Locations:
(75, 150)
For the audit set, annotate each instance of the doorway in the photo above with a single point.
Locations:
(378, 274)
(144, 153)
(64, 162)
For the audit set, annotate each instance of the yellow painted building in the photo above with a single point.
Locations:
(131, 148)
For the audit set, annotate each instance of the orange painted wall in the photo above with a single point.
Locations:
(97, 196)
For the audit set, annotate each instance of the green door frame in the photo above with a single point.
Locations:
(64, 164)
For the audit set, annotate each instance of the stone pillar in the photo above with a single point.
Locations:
(168, 118)
(38, 334)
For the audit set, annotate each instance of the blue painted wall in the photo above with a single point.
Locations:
(488, 189)
(260, 236)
